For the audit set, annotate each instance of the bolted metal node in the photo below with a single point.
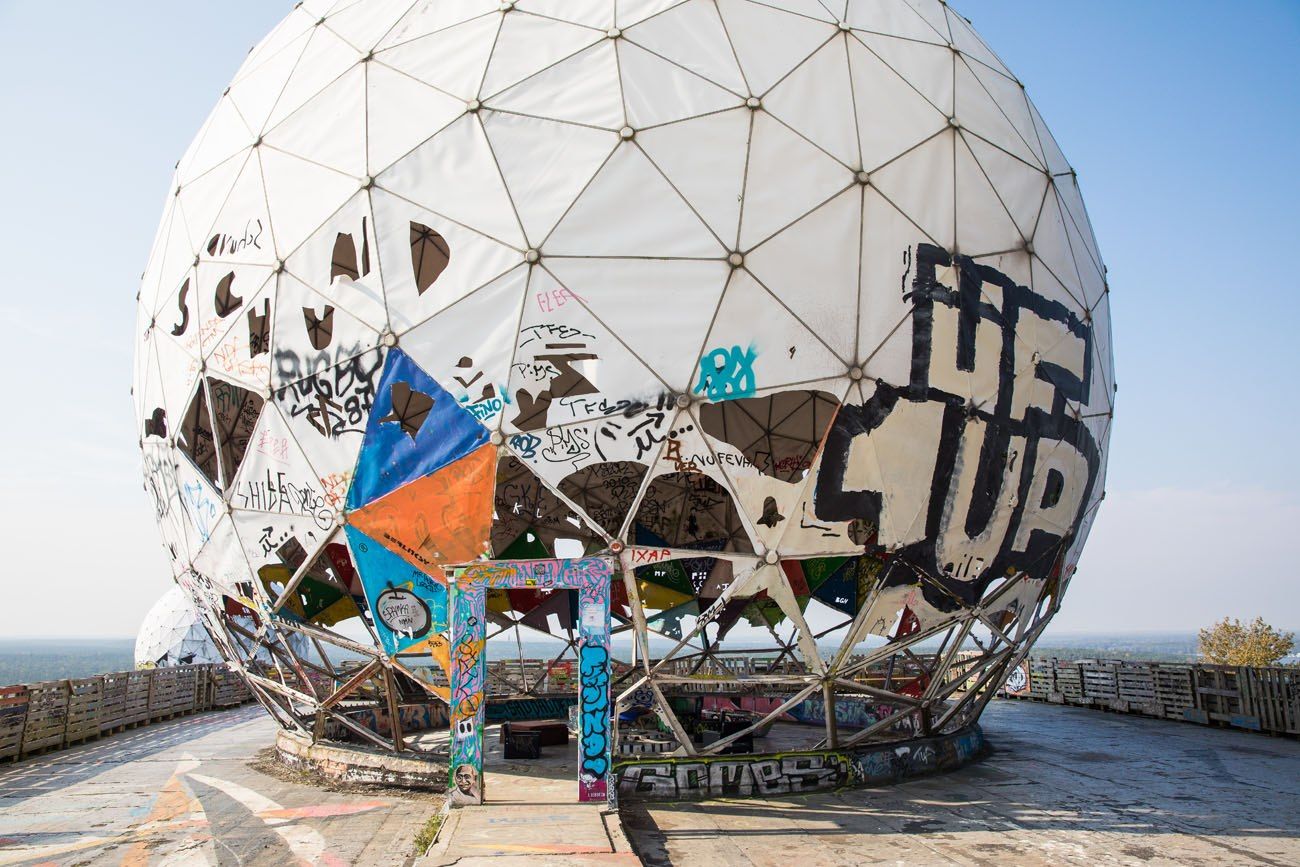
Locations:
(954, 123)
(532, 256)
(389, 339)
(845, 26)
(613, 33)
(278, 267)
(473, 105)
(736, 259)
(367, 182)
(682, 401)
(496, 438)
(617, 546)
(855, 373)
(771, 558)
(863, 177)
(627, 133)
(754, 103)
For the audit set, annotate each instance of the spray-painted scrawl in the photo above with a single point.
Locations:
(757, 325)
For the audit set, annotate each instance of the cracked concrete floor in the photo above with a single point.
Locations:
(182, 792)
(1064, 786)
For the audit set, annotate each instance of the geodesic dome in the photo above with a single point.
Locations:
(172, 634)
(789, 310)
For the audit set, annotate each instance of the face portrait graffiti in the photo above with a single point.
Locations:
(467, 788)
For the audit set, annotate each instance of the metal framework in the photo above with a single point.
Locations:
(790, 311)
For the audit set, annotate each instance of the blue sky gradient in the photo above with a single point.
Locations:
(1181, 119)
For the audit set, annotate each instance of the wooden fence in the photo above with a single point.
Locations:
(58, 713)
(1260, 699)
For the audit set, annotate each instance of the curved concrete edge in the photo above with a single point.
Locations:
(793, 773)
(358, 764)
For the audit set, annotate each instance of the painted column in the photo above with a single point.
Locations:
(468, 684)
(593, 668)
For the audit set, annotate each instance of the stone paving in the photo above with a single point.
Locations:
(182, 793)
(530, 815)
(1063, 786)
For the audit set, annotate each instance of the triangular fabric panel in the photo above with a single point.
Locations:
(657, 92)
(426, 19)
(297, 193)
(580, 89)
(455, 174)
(816, 98)
(451, 59)
(821, 294)
(789, 176)
(330, 128)
(415, 428)
(545, 165)
(667, 335)
(408, 606)
(770, 42)
(691, 35)
(437, 520)
(710, 179)
(469, 359)
(603, 222)
(527, 44)
(401, 113)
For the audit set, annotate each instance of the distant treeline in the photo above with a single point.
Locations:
(1111, 652)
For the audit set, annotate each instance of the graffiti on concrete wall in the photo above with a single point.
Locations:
(793, 773)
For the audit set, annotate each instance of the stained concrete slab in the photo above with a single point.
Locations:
(530, 814)
(1063, 786)
(182, 792)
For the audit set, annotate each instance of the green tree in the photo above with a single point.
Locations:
(1230, 642)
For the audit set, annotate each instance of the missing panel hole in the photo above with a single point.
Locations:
(430, 255)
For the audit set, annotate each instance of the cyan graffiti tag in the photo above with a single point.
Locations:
(727, 374)
(594, 671)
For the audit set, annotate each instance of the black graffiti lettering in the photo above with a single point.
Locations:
(1011, 469)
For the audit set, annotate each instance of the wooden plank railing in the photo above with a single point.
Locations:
(1259, 699)
(36, 717)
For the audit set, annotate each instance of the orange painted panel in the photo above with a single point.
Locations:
(439, 520)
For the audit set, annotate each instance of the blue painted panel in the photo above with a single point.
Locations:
(408, 606)
(426, 431)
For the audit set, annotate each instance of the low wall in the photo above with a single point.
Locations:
(794, 773)
(359, 764)
(53, 714)
(433, 715)
(1259, 699)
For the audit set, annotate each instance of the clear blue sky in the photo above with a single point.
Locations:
(1181, 118)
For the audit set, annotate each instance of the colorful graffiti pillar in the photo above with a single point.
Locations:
(593, 668)
(590, 577)
(468, 680)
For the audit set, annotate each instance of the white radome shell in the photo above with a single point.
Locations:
(665, 179)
